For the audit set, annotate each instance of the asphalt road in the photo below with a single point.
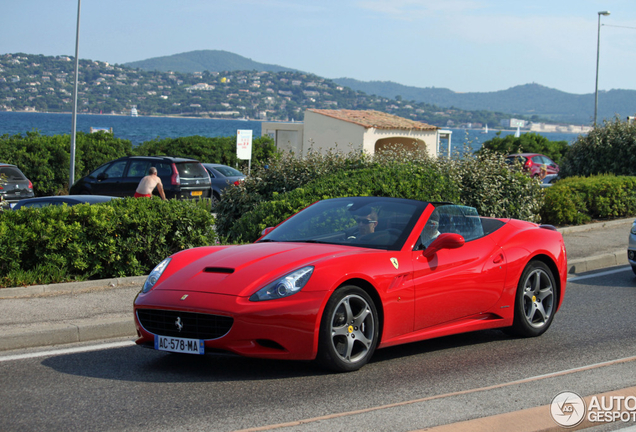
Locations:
(404, 388)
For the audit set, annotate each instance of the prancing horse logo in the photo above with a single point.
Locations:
(179, 324)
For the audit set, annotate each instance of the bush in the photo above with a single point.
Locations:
(495, 190)
(608, 149)
(415, 181)
(126, 237)
(483, 182)
(527, 143)
(277, 175)
(577, 200)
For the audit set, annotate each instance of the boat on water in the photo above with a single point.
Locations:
(133, 111)
(485, 131)
(518, 133)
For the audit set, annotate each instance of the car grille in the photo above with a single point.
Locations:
(195, 325)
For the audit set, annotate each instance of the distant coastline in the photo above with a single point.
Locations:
(128, 115)
(534, 127)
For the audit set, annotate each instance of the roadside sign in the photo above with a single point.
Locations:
(244, 144)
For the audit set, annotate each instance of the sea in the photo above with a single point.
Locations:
(145, 128)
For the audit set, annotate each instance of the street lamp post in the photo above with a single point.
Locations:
(598, 49)
(74, 121)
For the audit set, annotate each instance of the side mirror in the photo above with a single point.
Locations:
(102, 176)
(267, 231)
(444, 241)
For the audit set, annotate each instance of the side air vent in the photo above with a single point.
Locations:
(218, 270)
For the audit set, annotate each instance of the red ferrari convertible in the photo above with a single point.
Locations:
(346, 276)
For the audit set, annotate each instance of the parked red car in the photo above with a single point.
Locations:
(532, 163)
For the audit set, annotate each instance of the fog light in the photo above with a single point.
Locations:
(631, 255)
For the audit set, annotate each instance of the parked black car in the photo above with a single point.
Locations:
(221, 177)
(15, 186)
(182, 178)
(69, 200)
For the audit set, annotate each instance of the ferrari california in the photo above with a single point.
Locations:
(347, 276)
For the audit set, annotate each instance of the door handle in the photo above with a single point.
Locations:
(499, 258)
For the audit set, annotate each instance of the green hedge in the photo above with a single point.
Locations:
(483, 182)
(577, 200)
(126, 237)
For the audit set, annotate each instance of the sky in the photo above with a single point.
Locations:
(462, 45)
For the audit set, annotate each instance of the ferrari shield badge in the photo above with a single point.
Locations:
(395, 263)
(184, 297)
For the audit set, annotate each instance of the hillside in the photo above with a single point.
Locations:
(45, 84)
(205, 60)
(530, 100)
(523, 100)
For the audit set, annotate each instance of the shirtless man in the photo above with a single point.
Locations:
(148, 184)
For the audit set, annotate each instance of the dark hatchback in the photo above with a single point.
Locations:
(14, 186)
(181, 178)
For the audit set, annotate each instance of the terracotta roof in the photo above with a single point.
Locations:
(374, 119)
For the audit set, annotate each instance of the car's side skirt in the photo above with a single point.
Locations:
(464, 325)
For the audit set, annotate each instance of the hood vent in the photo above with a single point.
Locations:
(224, 270)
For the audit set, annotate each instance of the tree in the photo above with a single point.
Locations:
(527, 143)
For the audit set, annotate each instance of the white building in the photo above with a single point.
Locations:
(351, 130)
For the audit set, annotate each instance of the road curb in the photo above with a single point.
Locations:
(595, 226)
(71, 287)
(598, 262)
(65, 333)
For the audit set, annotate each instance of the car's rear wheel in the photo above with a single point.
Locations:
(536, 300)
(349, 330)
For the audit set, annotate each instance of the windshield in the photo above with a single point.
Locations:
(228, 171)
(379, 223)
(12, 173)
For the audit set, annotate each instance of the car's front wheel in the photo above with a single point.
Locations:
(536, 300)
(349, 330)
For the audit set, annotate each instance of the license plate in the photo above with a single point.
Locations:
(180, 345)
(196, 193)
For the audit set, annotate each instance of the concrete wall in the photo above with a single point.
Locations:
(323, 133)
(288, 136)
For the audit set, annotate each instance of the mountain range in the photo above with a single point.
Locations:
(531, 100)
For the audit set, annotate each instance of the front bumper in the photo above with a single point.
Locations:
(276, 329)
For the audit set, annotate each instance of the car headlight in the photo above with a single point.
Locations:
(155, 274)
(633, 231)
(285, 286)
